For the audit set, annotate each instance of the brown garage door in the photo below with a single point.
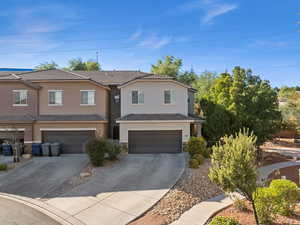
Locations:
(73, 141)
(155, 141)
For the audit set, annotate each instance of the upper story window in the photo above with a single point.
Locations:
(169, 97)
(55, 97)
(87, 97)
(137, 97)
(20, 98)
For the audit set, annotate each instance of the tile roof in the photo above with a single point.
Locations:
(17, 119)
(162, 116)
(92, 117)
(112, 77)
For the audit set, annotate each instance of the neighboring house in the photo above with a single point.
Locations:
(157, 115)
(71, 107)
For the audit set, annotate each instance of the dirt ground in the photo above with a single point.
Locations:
(247, 218)
(273, 157)
(291, 173)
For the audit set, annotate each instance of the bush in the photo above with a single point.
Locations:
(197, 145)
(221, 220)
(194, 164)
(287, 195)
(113, 150)
(3, 167)
(265, 203)
(96, 150)
(240, 205)
(200, 159)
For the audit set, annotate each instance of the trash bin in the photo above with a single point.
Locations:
(55, 149)
(36, 150)
(46, 149)
(7, 150)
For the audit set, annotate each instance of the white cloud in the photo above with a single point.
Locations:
(155, 42)
(210, 9)
(135, 35)
(267, 44)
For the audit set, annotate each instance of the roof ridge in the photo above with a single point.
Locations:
(79, 75)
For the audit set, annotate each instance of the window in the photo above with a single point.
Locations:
(87, 97)
(137, 97)
(55, 98)
(169, 96)
(20, 97)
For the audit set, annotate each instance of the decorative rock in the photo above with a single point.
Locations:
(87, 174)
(26, 156)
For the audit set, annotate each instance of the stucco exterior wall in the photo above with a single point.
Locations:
(6, 100)
(72, 97)
(154, 98)
(125, 127)
(101, 128)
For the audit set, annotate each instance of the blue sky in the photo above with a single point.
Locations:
(212, 35)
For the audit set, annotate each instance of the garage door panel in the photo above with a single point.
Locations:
(73, 141)
(160, 141)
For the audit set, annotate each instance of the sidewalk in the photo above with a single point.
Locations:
(200, 213)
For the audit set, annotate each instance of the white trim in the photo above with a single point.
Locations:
(62, 97)
(20, 91)
(67, 129)
(152, 80)
(156, 121)
(88, 90)
(32, 142)
(139, 92)
(20, 104)
(94, 104)
(12, 129)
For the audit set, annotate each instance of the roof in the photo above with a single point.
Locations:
(16, 78)
(17, 119)
(10, 72)
(92, 117)
(161, 116)
(112, 77)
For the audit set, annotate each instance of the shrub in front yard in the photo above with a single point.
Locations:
(194, 164)
(240, 205)
(222, 220)
(3, 167)
(287, 195)
(96, 150)
(197, 145)
(265, 203)
(200, 159)
(113, 150)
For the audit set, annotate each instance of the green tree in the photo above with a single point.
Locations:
(252, 102)
(203, 84)
(92, 65)
(46, 66)
(169, 67)
(188, 77)
(290, 111)
(77, 64)
(234, 165)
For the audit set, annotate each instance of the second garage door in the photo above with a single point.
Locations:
(162, 141)
(73, 141)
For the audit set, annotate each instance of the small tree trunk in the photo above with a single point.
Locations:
(254, 212)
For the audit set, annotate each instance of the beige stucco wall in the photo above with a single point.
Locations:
(6, 100)
(154, 98)
(72, 97)
(101, 128)
(28, 130)
(125, 127)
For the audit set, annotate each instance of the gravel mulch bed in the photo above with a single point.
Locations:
(193, 187)
(247, 218)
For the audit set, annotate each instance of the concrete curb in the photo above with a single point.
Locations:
(202, 212)
(54, 213)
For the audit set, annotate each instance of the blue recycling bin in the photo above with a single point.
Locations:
(36, 149)
(7, 150)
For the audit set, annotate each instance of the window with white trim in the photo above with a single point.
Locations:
(20, 98)
(137, 97)
(55, 97)
(87, 97)
(169, 97)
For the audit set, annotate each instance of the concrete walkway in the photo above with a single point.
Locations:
(293, 152)
(202, 212)
(119, 193)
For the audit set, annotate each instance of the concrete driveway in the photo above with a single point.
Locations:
(42, 176)
(117, 194)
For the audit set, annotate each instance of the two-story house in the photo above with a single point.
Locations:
(157, 115)
(72, 107)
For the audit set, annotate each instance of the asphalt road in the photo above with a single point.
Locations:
(14, 213)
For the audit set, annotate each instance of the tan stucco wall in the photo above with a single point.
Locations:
(28, 132)
(71, 99)
(101, 128)
(125, 127)
(6, 100)
(154, 98)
